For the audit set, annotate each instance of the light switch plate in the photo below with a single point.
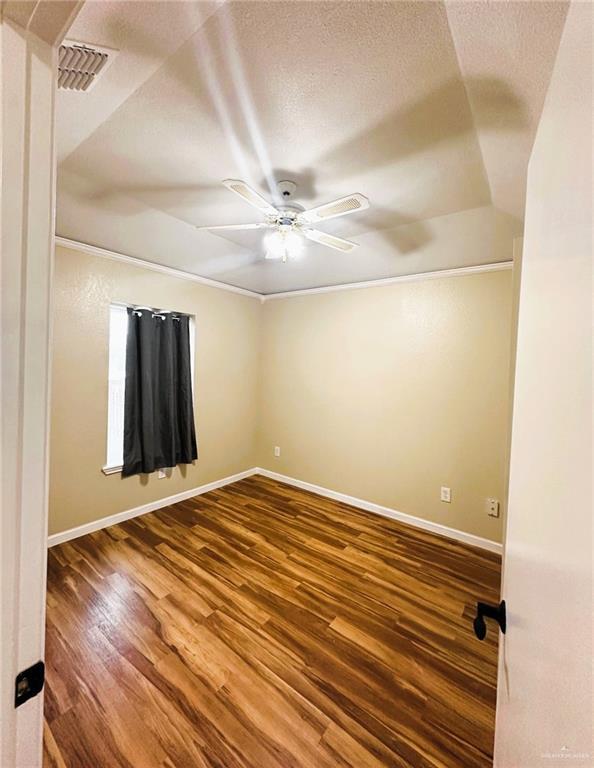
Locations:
(446, 494)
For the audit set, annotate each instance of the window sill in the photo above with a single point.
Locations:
(116, 470)
(111, 470)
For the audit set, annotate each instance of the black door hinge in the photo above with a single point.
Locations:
(29, 683)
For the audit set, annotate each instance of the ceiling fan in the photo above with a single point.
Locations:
(290, 222)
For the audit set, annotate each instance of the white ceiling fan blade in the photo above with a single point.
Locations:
(341, 207)
(250, 196)
(323, 238)
(259, 225)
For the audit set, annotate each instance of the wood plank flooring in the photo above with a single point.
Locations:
(260, 626)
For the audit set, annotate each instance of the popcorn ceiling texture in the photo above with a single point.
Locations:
(429, 109)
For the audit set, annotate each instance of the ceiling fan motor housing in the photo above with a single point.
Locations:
(286, 189)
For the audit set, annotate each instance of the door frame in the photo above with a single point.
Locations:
(30, 34)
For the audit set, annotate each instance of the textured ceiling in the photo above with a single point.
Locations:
(428, 109)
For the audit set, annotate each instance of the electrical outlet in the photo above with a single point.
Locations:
(492, 506)
(161, 473)
(446, 494)
(277, 451)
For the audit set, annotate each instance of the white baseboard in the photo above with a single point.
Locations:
(127, 514)
(377, 509)
(367, 506)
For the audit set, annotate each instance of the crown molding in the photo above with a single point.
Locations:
(456, 272)
(103, 253)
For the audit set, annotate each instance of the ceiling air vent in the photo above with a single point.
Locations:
(79, 65)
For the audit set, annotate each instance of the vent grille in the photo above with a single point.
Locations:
(79, 66)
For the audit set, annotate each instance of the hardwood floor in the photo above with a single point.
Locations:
(260, 626)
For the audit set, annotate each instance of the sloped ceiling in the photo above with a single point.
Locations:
(428, 109)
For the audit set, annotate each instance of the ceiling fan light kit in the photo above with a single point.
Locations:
(283, 243)
(290, 223)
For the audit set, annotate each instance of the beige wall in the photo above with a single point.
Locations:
(382, 393)
(226, 380)
(389, 393)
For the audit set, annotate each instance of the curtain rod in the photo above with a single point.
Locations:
(154, 310)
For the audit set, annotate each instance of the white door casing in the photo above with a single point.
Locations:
(544, 708)
(29, 33)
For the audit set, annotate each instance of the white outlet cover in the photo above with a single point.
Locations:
(492, 507)
(446, 494)
(277, 451)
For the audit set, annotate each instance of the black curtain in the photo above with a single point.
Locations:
(158, 410)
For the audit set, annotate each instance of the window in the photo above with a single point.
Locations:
(118, 330)
(118, 327)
